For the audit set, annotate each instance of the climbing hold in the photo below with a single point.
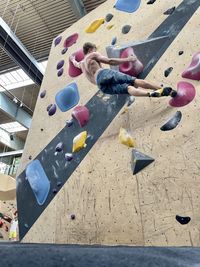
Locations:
(59, 147)
(70, 40)
(110, 26)
(150, 2)
(68, 97)
(57, 40)
(125, 138)
(30, 157)
(172, 123)
(140, 161)
(168, 71)
(52, 110)
(68, 156)
(81, 114)
(74, 71)
(73, 216)
(60, 72)
(60, 64)
(54, 191)
(183, 220)
(131, 68)
(59, 183)
(130, 101)
(69, 123)
(94, 25)
(42, 94)
(169, 11)
(64, 51)
(26, 225)
(79, 141)
(129, 6)
(180, 53)
(126, 29)
(41, 130)
(108, 17)
(114, 41)
(38, 181)
(193, 71)
(185, 94)
(49, 106)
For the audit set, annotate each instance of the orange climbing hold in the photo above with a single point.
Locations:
(125, 138)
(94, 25)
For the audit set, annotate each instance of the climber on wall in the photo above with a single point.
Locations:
(114, 82)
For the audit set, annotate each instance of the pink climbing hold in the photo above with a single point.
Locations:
(74, 71)
(185, 94)
(71, 40)
(81, 114)
(130, 68)
(193, 71)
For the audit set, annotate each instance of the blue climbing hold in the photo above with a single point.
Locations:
(38, 181)
(68, 97)
(114, 40)
(129, 6)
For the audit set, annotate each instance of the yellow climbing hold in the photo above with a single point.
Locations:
(125, 138)
(109, 26)
(94, 25)
(79, 141)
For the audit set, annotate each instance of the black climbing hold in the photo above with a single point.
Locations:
(73, 216)
(168, 71)
(108, 17)
(68, 156)
(150, 2)
(54, 191)
(169, 11)
(172, 123)
(41, 130)
(126, 29)
(59, 147)
(59, 183)
(140, 161)
(64, 50)
(114, 40)
(183, 220)
(180, 53)
(30, 157)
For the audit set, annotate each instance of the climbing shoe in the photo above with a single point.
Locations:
(166, 91)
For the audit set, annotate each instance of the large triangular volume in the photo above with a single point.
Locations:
(140, 161)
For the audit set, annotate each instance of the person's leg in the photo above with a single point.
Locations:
(137, 91)
(145, 84)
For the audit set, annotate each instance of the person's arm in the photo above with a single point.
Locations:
(74, 62)
(114, 61)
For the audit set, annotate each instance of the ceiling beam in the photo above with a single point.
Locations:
(14, 111)
(78, 8)
(16, 50)
(11, 153)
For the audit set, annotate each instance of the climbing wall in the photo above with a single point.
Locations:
(92, 196)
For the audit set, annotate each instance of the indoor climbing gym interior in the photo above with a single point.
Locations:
(99, 133)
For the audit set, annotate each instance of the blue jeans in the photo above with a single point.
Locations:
(114, 82)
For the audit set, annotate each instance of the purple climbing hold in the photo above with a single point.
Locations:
(64, 50)
(69, 123)
(193, 71)
(68, 156)
(52, 110)
(60, 72)
(57, 40)
(59, 147)
(49, 106)
(185, 94)
(81, 114)
(60, 64)
(114, 41)
(42, 94)
(71, 40)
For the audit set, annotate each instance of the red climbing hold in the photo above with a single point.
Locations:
(74, 71)
(193, 71)
(71, 40)
(131, 68)
(81, 114)
(185, 94)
